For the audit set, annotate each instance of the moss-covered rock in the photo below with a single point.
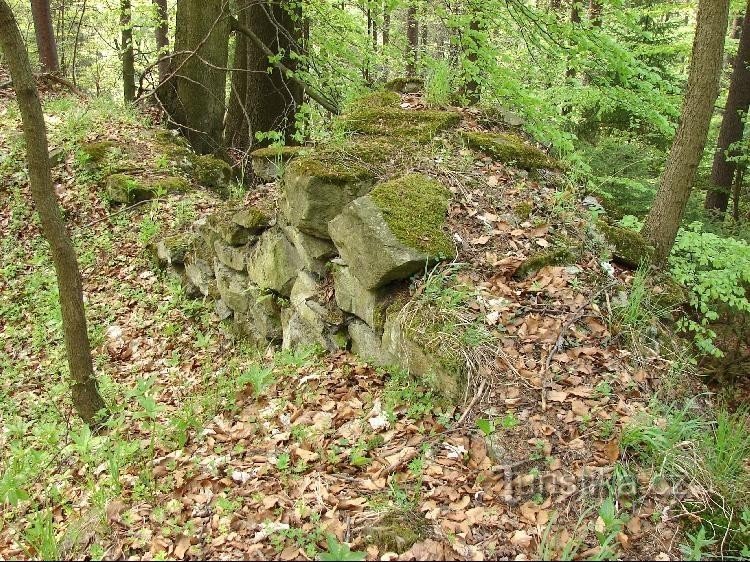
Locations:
(379, 114)
(171, 249)
(405, 85)
(262, 320)
(227, 230)
(313, 251)
(414, 208)
(269, 162)
(628, 246)
(395, 231)
(560, 255)
(97, 152)
(274, 263)
(352, 297)
(397, 531)
(200, 272)
(509, 148)
(367, 344)
(234, 257)
(316, 188)
(124, 188)
(667, 294)
(252, 219)
(211, 172)
(524, 209)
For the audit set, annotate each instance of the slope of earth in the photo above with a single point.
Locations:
(218, 450)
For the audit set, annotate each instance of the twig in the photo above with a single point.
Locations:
(477, 395)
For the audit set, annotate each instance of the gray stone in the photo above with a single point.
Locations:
(364, 240)
(254, 220)
(313, 251)
(352, 297)
(171, 250)
(201, 274)
(274, 262)
(234, 287)
(314, 193)
(223, 312)
(368, 346)
(269, 163)
(262, 321)
(228, 231)
(233, 256)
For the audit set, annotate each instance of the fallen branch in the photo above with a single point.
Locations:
(52, 78)
(312, 92)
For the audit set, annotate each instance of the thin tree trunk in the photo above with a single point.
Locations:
(412, 38)
(472, 46)
(45, 36)
(237, 125)
(736, 191)
(85, 395)
(732, 125)
(128, 62)
(75, 45)
(663, 220)
(595, 12)
(575, 19)
(386, 33)
(161, 35)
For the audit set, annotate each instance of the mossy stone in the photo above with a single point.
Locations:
(394, 232)
(269, 162)
(561, 255)
(274, 263)
(509, 148)
(405, 85)
(378, 114)
(414, 208)
(252, 219)
(316, 188)
(124, 188)
(98, 151)
(212, 172)
(172, 249)
(524, 209)
(629, 247)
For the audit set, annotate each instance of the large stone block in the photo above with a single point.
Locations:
(233, 256)
(315, 191)
(234, 287)
(367, 345)
(262, 320)
(353, 297)
(314, 252)
(201, 273)
(274, 262)
(395, 231)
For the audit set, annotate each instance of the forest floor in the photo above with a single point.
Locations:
(218, 450)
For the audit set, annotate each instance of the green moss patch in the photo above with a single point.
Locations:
(390, 120)
(405, 85)
(556, 256)
(252, 219)
(279, 152)
(211, 172)
(629, 247)
(328, 167)
(124, 188)
(414, 208)
(509, 148)
(97, 152)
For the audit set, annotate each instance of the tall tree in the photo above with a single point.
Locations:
(732, 125)
(412, 39)
(161, 35)
(194, 95)
(126, 49)
(45, 36)
(386, 33)
(663, 220)
(85, 395)
(595, 12)
(265, 98)
(471, 46)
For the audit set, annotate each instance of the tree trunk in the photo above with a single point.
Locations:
(412, 39)
(85, 395)
(595, 12)
(272, 99)
(471, 46)
(128, 62)
(161, 34)
(575, 19)
(732, 125)
(45, 36)
(386, 32)
(237, 125)
(194, 94)
(663, 220)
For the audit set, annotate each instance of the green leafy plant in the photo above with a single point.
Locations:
(260, 378)
(340, 551)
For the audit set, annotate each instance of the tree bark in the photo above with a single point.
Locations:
(194, 94)
(161, 35)
(237, 125)
(595, 12)
(412, 39)
(128, 60)
(472, 46)
(45, 36)
(663, 220)
(732, 125)
(386, 31)
(272, 98)
(85, 395)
